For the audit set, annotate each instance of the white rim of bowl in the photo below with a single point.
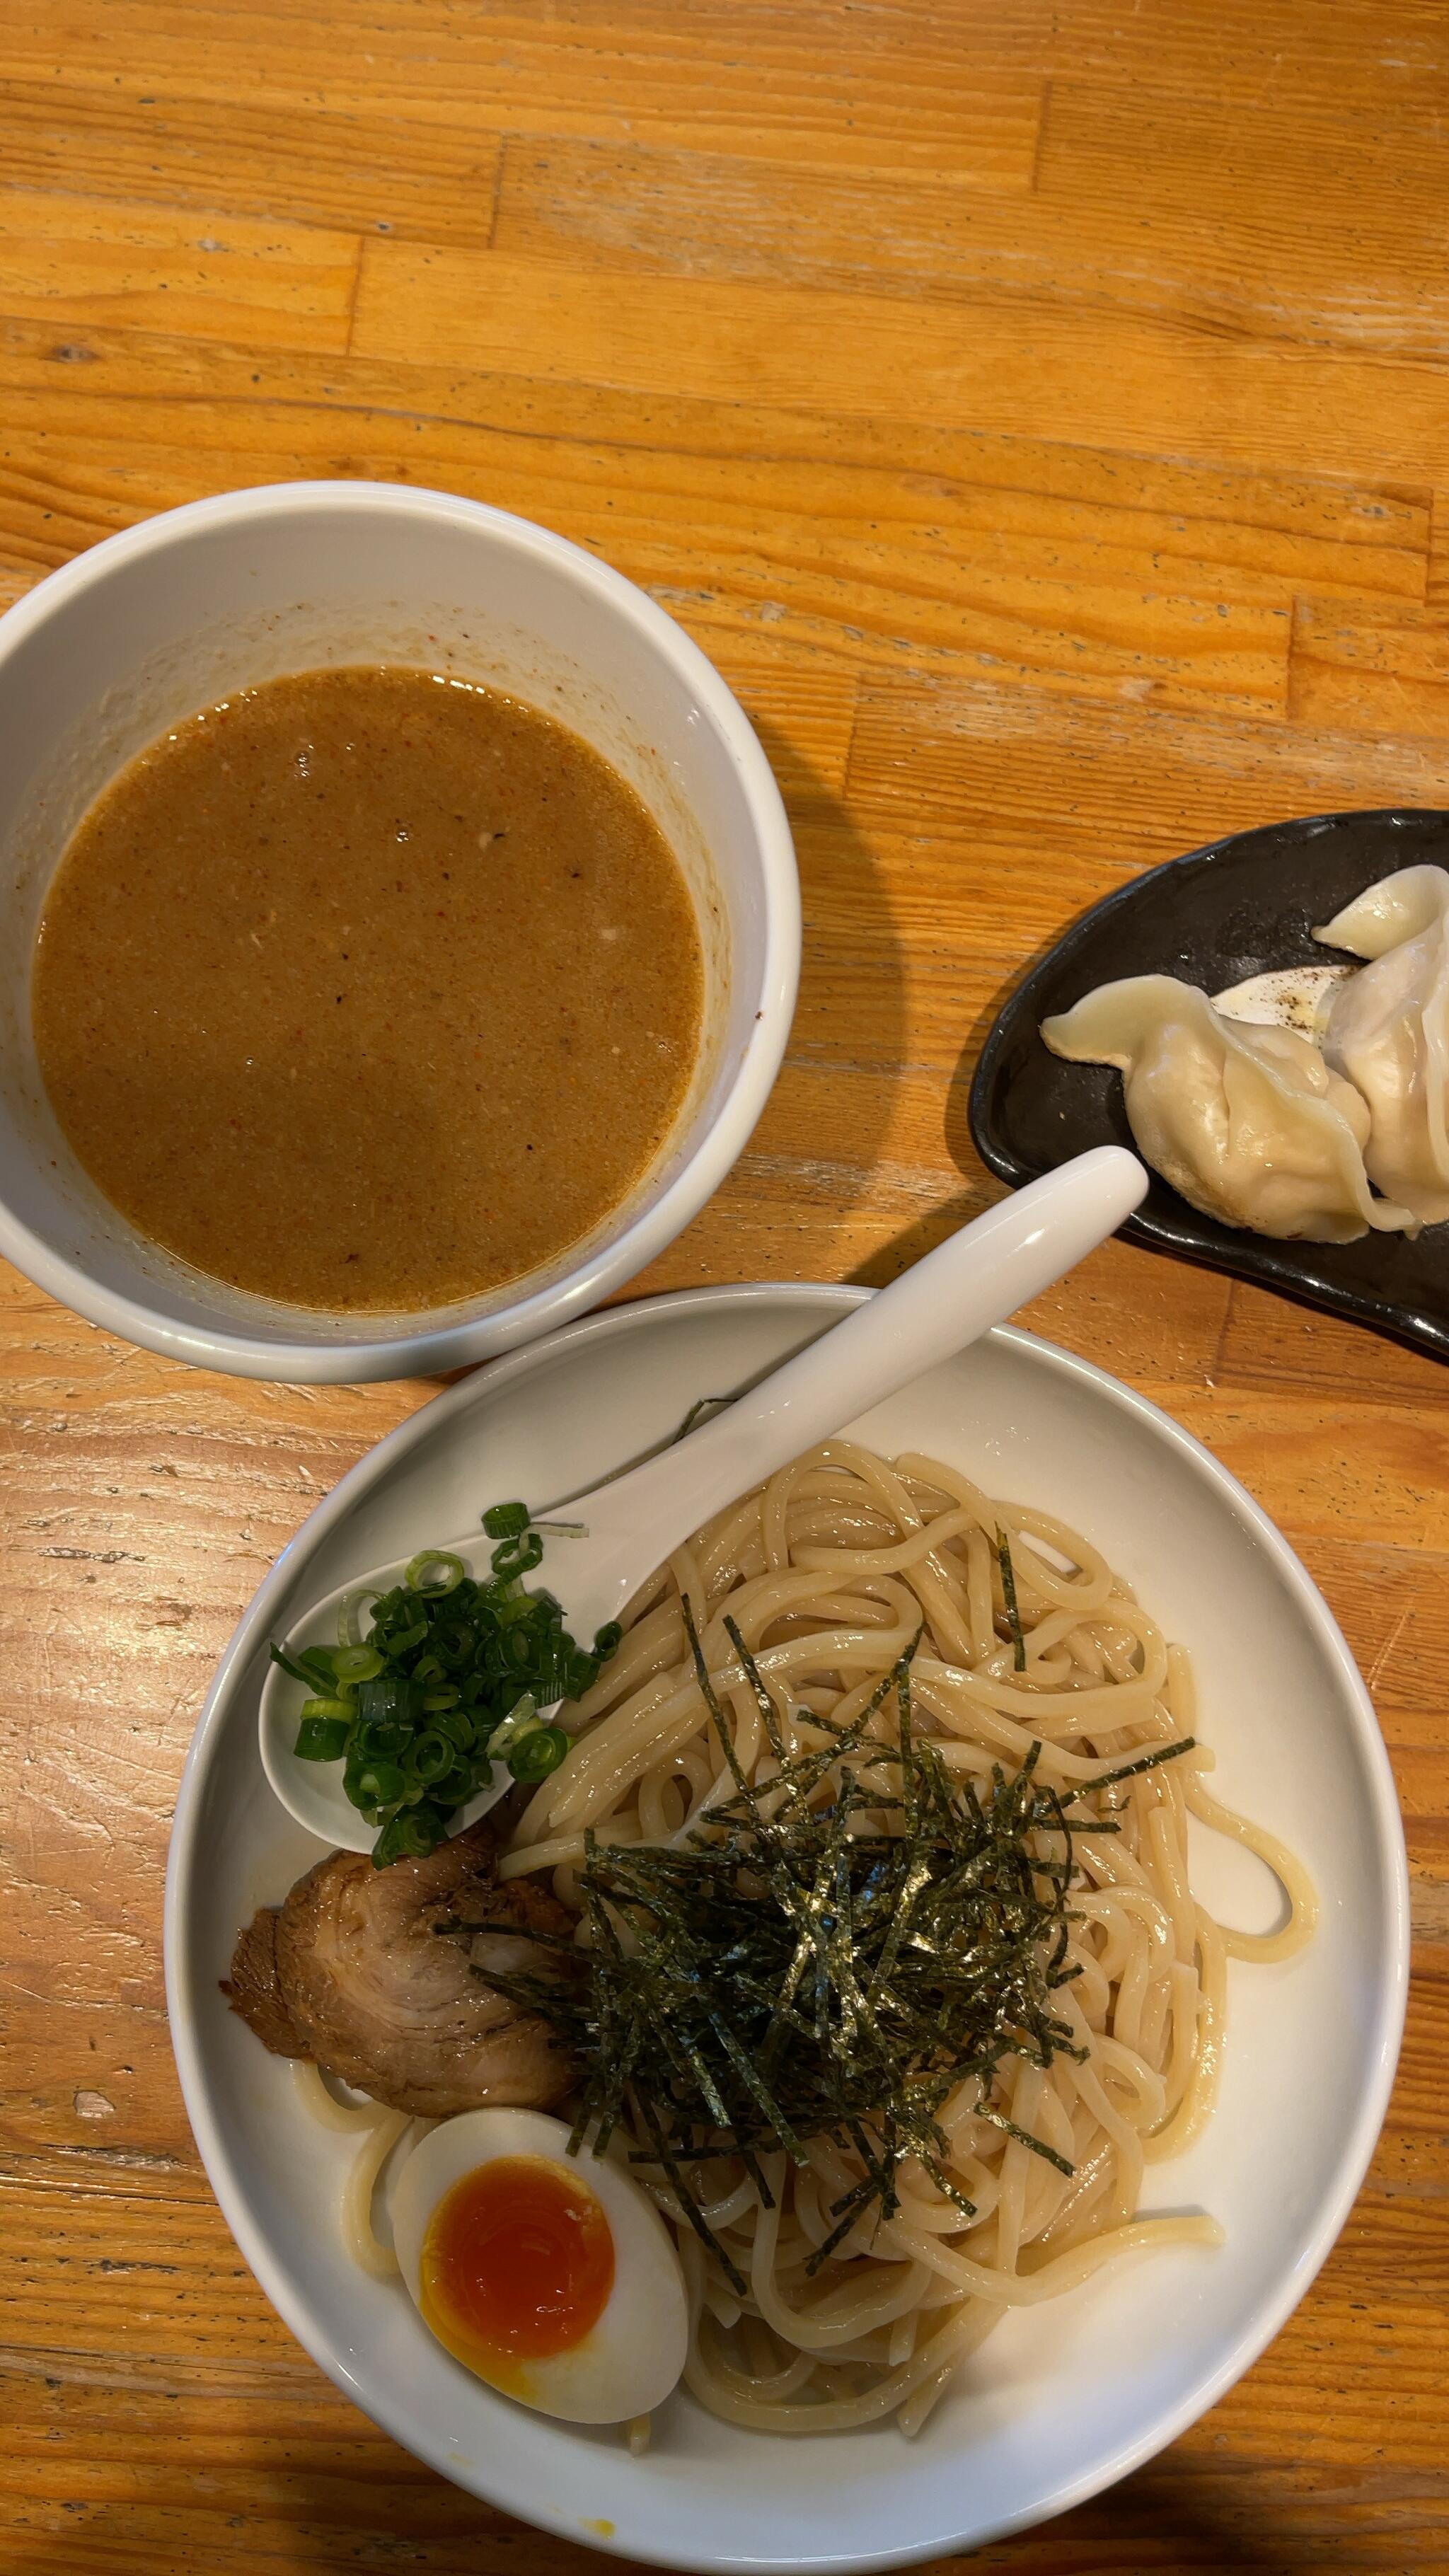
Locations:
(1354, 2153)
(433, 1348)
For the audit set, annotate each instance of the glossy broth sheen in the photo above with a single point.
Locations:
(368, 989)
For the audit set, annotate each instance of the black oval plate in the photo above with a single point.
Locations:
(1223, 913)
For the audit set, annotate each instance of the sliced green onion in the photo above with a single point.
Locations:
(381, 1784)
(289, 1667)
(458, 1727)
(391, 1700)
(435, 1572)
(432, 1757)
(453, 1645)
(540, 1752)
(355, 1664)
(509, 1611)
(321, 1739)
(517, 1557)
(607, 1640)
(547, 1682)
(349, 1614)
(453, 1669)
(522, 1716)
(410, 1836)
(380, 1743)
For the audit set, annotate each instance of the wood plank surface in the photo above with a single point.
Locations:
(1041, 415)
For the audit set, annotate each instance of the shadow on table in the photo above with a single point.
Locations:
(849, 1034)
(981, 1188)
(1194, 2513)
(1196, 2519)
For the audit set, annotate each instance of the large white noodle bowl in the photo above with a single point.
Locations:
(1062, 2401)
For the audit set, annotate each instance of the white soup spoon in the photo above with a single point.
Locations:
(975, 1280)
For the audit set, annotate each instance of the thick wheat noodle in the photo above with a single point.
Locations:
(829, 1572)
(323, 2105)
(1286, 1867)
(824, 1611)
(1194, 2108)
(364, 2244)
(379, 2131)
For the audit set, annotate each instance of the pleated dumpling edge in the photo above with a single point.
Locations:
(1249, 1125)
(1388, 1031)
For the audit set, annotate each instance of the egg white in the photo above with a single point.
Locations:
(632, 2357)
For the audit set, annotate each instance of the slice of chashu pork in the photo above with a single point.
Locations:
(380, 1976)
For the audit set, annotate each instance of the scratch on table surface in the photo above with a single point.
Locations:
(1428, 1907)
(1376, 1668)
(889, 1185)
(130, 2159)
(98, 1555)
(160, 2374)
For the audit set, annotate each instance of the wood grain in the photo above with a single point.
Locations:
(74, 260)
(1355, 666)
(807, 89)
(1179, 227)
(977, 360)
(364, 174)
(1041, 416)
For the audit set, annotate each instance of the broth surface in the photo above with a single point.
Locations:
(367, 989)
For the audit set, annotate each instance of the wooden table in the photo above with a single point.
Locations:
(1036, 411)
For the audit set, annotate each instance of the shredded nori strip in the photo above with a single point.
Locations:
(794, 1971)
(702, 1405)
(1008, 1594)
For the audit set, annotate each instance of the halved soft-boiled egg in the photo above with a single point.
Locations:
(552, 2276)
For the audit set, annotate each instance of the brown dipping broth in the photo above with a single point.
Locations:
(367, 989)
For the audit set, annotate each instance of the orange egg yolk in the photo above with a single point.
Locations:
(517, 2264)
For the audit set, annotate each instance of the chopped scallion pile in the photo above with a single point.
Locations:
(451, 1675)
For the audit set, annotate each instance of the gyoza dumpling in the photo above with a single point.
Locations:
(1248, 1124)
(1388, 1031)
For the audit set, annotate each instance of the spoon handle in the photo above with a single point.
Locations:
(976, 1279)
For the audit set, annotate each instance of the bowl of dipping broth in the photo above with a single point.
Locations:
(400, 925)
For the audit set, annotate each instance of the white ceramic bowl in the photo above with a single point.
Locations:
(1061, 2400)
(153, 624)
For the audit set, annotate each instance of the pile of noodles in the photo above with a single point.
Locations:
(829, 1571)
